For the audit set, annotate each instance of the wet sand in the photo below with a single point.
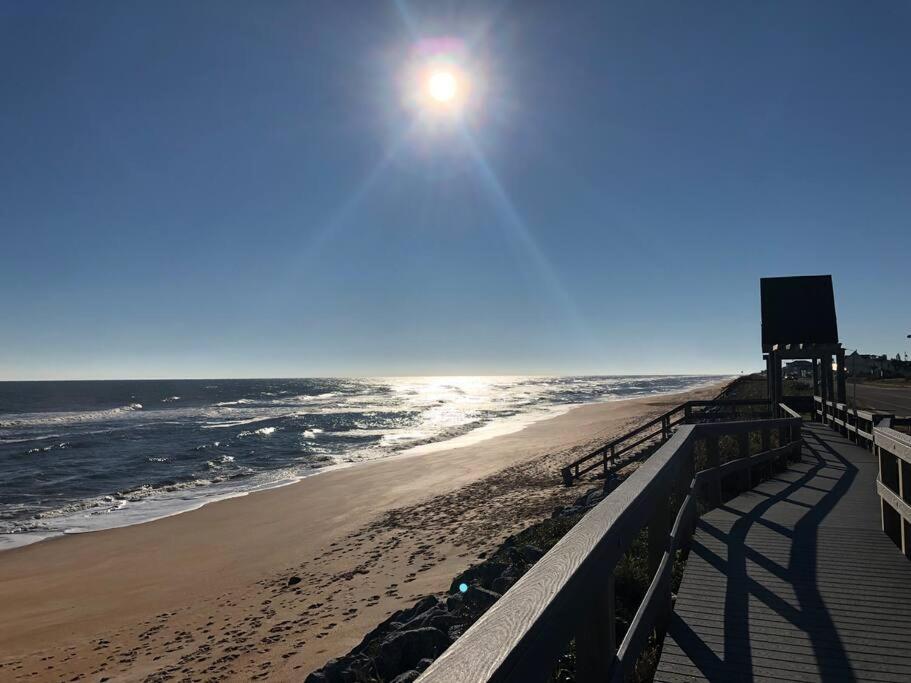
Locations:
(205, 595)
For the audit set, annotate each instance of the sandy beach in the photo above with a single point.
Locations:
(205, 595)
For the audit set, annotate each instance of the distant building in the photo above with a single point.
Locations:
(870, 365)
(798, 369)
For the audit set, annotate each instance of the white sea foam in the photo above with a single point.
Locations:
(238, 423)
(262, 431)
(45, 449)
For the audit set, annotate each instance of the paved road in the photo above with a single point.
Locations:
(895, 400)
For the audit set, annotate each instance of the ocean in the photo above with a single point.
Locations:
(79, 456)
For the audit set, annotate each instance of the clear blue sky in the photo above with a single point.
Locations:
(209, 189)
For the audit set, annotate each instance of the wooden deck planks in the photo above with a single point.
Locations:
(795, 580)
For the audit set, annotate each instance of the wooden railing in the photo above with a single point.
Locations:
(893, 450)
(856, 424)
(893, 453)
(620, 451)
(569, 593)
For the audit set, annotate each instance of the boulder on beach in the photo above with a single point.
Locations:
(404, 649)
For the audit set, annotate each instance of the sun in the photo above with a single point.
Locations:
(443, 89)
(442, 86)
(440, 83)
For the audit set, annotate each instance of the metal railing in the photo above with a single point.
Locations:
(569, 593)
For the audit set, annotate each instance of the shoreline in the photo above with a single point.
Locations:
(170, 507)
(208, 591)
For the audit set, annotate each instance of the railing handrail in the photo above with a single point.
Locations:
(521, 636)
(892, 440)
(866, 415)
(787, 410)
(572, 470)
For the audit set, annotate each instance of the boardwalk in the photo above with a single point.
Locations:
(795, 581)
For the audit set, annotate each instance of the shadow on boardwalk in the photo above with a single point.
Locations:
(779, 580)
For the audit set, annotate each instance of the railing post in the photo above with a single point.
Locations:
(665, 428)
(685, 480)
(784, 438)
(796, 436)
(688, 414)
(901, 494)
(766, 438)
(714, 462)
(596, 638)
(859, 440)
(658, 538)
(743, 451)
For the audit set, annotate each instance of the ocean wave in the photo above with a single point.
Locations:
(32, 420)
(224, 460)
(262, 431)
(238, 423)
(202, 447)
(45, 449)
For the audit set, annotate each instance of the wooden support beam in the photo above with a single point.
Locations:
(658, 542)
(770, 388)
(776, 367)
(816, 377)
(842, 394)
(596, 639)
(824, 379)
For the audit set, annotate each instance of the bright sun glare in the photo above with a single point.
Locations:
(442, 86)
(440, 83)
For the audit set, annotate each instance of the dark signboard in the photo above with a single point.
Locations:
(798, 310)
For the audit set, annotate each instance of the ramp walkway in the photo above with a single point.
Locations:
(795, 580)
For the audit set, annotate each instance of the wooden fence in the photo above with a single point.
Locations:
(621, 451)
(569, 593)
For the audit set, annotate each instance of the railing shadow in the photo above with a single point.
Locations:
(811, 616)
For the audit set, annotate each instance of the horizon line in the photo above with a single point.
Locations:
(380, 376)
